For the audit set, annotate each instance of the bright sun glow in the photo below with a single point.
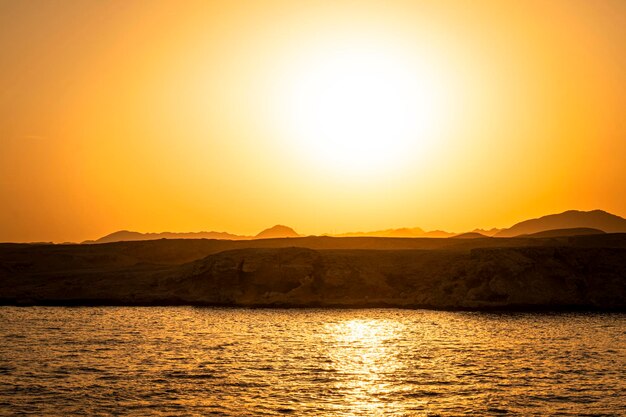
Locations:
(363, 108)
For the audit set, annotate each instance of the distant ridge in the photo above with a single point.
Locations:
(577, 231)
(568, 223)
(469, 235)
(402, 232)
(438, 233)
(596, 219)
(125, 235)
(488, 232)
(277, 232)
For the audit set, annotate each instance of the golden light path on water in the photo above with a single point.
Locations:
(366, 351)
(339, 363)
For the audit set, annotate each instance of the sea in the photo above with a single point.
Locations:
(189, 361)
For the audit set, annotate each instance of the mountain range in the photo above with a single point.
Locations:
(278, 231)
(568, 223)
(595, 219)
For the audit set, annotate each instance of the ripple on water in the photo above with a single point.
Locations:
(208, 361)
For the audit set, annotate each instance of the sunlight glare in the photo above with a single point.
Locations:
(360, 349)
(363, 108)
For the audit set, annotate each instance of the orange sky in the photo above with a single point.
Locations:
(325, 116)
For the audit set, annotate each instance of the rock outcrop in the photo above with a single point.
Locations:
(582, 272)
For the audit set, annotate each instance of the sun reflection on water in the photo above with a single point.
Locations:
(339, 363)
(363, 352)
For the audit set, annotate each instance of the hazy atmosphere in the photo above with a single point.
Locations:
(234, 116)
(313, 208)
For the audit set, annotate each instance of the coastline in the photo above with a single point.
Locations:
(583, 273)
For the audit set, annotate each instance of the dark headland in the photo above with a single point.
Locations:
(561, 273)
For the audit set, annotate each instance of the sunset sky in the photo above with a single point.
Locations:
(325, 116)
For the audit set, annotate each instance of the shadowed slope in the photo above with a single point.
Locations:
(596, 219)
(578, 231)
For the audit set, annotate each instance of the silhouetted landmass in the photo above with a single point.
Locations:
(577, 231)
(572, 219)
(277, 231)
(437, 233)
(488, 232)
(468, 235)
(401, 232)
(125, 235)
(572, 272)
(596, 219)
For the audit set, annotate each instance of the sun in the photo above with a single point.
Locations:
(361, 108)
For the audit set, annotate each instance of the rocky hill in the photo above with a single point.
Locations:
(587, 272)
(596, 219)
(278, 231)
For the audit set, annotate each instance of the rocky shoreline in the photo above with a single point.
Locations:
(574, 273)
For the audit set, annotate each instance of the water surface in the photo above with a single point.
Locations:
(209, 361)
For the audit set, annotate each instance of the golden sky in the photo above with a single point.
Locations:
(326, 116)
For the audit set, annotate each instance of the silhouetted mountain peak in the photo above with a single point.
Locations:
(487, 232)
(469, 235)
(277, 231)
(120, 235)
(401, 232)
(126, 235)
(571, 219)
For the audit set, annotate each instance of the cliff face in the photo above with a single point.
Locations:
(506, 277)
(483, 278)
